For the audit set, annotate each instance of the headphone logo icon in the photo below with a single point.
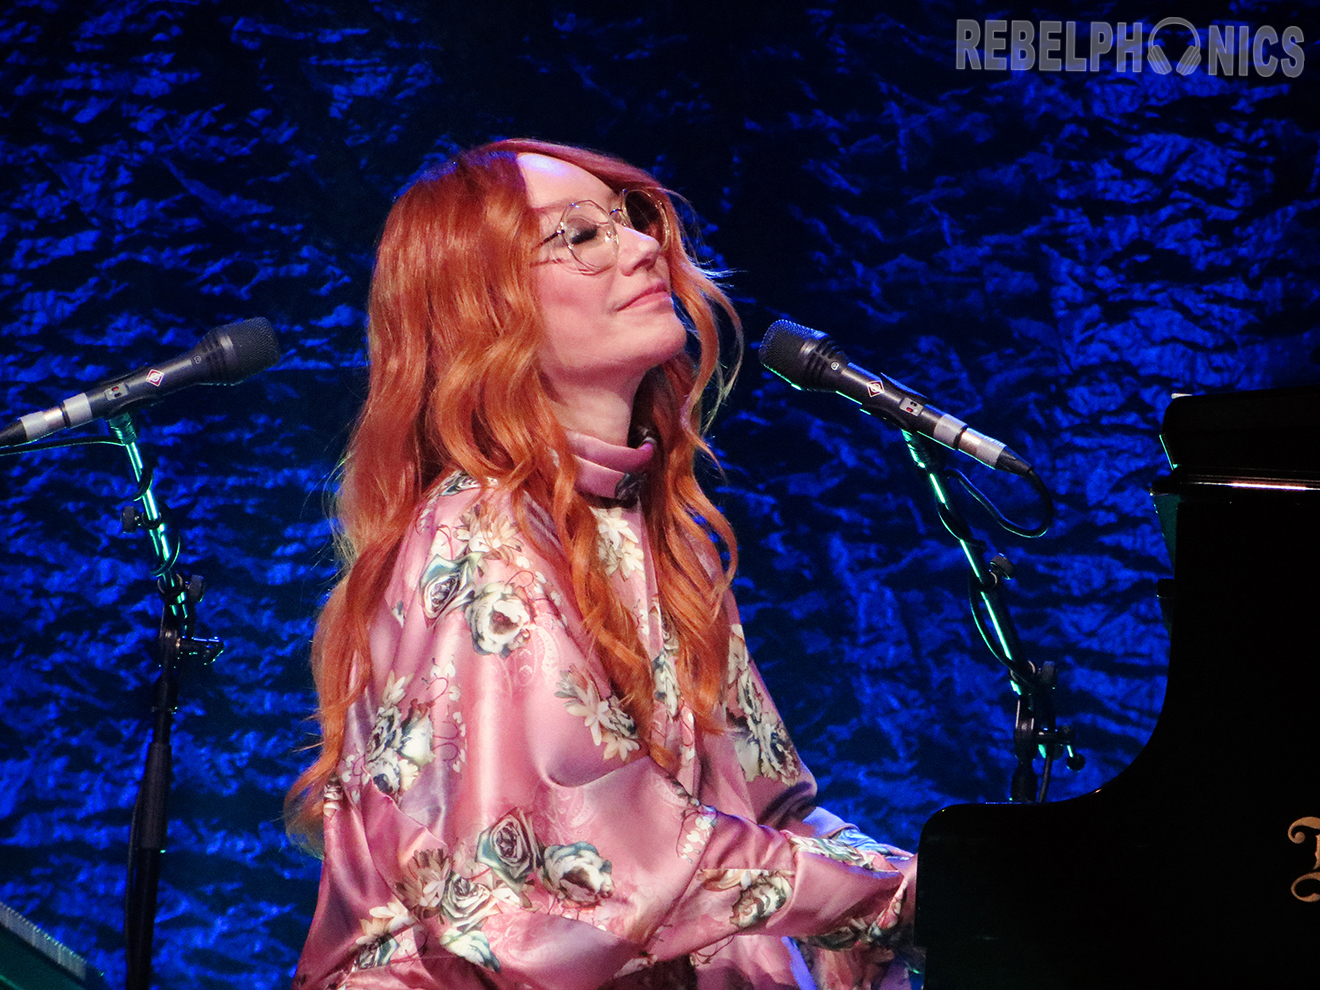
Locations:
(1191, 58)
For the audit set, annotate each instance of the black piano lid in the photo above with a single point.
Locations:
(1261, 438)
(1267, 431)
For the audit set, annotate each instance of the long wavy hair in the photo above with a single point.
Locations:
(454, 332)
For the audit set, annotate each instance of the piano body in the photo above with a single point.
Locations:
(1199, 864)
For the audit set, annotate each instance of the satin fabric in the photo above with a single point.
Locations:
(496, 822)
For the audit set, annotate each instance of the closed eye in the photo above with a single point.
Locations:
(582, 235)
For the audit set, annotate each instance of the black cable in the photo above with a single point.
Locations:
(1020, 529)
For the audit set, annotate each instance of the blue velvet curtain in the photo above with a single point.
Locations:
(1048, 255)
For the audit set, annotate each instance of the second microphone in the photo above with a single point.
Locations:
(808, 359)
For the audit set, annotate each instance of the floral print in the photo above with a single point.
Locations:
(493, 788)
(509, 861)
(467, 903)
(332, 796)
(400, 746)
(509, 849)
(433, 889)
(499, 613)
(663, 670)
(423, 885)
(697, 832)
(856, 839)
(442, 581)
(499, 617)
(577, 873)
(761, 893)
(760, 738)
(609, 724)
(384, 933)
(472, 946)
(430, 889)
(617, 544)
(855, 848)
(882, 933)
(487, 535)
(832, 848)
(458, 481)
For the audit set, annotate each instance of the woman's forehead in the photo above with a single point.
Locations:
(553, 182)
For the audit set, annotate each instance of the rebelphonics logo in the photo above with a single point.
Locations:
(1053, 46)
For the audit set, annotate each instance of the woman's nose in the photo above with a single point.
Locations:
(636, 250)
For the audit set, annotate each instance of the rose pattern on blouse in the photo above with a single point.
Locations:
(455, 560)
(432, 888)
(760, 892)
(443, 583)
(465, 902)
(508, 861)
(400, 745)
(760, 738)
(499, 614)
(577, 873)
(510, 850)
(499, 618)
(663, 671)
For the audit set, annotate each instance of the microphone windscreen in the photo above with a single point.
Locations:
(238, 350)
(782, 346)
(799, 355)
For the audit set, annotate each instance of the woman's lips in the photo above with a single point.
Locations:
(657, 291)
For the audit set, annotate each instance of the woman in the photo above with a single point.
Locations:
(547, 760)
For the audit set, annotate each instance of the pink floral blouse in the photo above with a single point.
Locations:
(496, 821)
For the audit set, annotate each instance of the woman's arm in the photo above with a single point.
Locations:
(498, 807)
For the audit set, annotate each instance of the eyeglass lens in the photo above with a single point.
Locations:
(591, 237)
(642, 213)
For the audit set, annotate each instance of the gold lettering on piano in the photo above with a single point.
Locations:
(1298, 832)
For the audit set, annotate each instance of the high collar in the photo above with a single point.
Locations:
(607, 470)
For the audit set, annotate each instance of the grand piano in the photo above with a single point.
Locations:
(1199, 864)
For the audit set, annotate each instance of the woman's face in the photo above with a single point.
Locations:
(603, 330)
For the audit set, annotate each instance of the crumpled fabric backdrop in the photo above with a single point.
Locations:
(1047, 255)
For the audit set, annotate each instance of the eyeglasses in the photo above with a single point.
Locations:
(590, 232)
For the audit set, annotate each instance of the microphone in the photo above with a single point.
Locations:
(808, 359)
(225, 356)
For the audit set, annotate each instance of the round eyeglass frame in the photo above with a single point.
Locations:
(656, 226)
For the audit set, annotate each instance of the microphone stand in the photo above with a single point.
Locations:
(175, 643)
(1035, 730)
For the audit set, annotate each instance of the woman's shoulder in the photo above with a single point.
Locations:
(467, 552)
(443, 509)
(455, 496)
(461, 515)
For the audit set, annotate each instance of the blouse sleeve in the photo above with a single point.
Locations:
(782, 793)
(495, 806)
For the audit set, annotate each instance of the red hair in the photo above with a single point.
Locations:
(454, 330)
